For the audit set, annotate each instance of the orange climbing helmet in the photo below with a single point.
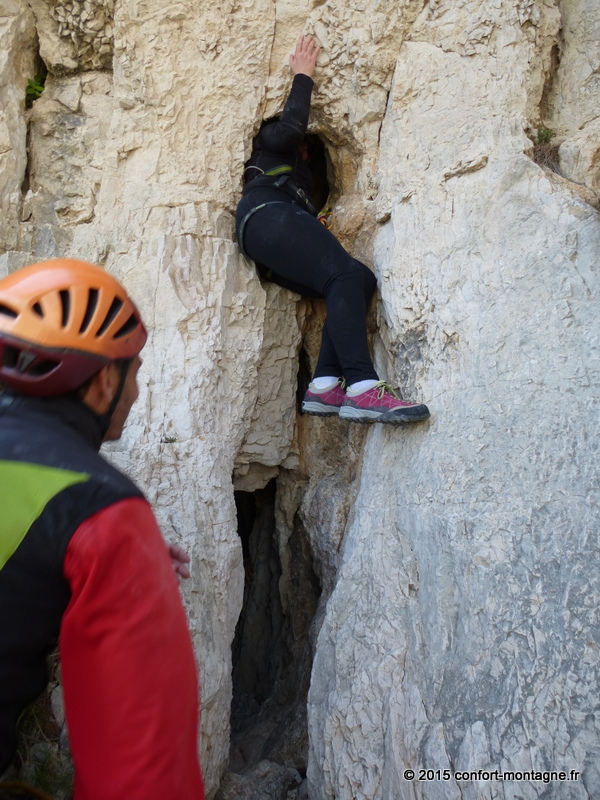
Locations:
(61, 321)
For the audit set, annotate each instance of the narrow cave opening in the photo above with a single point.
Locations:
(271, 652)
(549, 89)
(320, 165)
(35, 87)
(304, 376)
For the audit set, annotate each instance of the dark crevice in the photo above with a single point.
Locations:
(548, 90)
(41, 72)
(545, 152)
(26, 183)
(318, 161)
(271, 652)
(304, 376)
(384, 115)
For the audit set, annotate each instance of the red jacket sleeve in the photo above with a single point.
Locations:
(128, 669)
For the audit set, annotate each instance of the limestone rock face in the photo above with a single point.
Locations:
(266, 780)
(464, 598)
(570, 101)
(457, 623)
(17, 65)
(75, 35)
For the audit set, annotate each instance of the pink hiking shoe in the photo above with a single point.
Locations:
(381, 404)
(325, 403)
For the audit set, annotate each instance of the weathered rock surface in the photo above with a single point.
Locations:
(17, 65)
(75, 35)
(266, 780)
(464, 600)
(570, 101)
(457, 625)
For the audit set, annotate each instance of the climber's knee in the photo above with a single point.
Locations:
(369, 281)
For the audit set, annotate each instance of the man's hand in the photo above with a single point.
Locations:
(179, 559)
(304, 60)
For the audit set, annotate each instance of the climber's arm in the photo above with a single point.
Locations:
(288, 131)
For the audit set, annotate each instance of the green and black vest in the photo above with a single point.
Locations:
(52, 478)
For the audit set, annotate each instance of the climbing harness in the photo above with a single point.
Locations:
(245, 220)
(277, 170)
(289, 186)
(286, 184)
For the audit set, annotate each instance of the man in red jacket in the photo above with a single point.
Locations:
(82, 560)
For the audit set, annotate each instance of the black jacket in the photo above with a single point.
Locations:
(276, 143)
(52, 478)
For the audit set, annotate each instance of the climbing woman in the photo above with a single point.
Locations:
(277, 227)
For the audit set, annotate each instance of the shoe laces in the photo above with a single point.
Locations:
(384, 387)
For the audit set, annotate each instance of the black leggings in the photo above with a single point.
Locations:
(293, 249)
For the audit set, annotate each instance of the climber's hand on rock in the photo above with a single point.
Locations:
(179, 559)
(304, 60)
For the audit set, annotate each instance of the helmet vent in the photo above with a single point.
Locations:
(27, 363)
(114, 309)
(11, 355)
(39, 368)
(89, 311)
(8, 311)
(129, 326)
(65, 299)
(38, 309)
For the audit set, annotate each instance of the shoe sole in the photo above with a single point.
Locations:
(390, 417)
(319, 409)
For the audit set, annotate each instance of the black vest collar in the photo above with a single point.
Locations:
(68, 410)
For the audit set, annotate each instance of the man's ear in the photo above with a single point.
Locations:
(102, 389)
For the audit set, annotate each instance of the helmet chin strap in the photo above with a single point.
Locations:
(106, 418)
